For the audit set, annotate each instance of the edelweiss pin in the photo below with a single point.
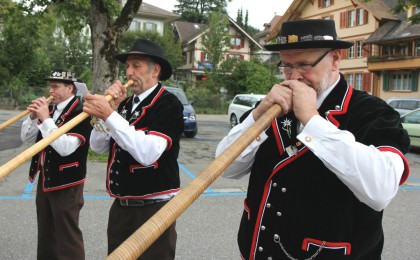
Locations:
(287, 126)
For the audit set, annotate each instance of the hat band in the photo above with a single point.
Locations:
(306, 38)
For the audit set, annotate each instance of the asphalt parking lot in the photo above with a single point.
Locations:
(206, 230)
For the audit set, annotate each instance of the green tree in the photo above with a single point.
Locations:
(215, 40)
(198, 11)
(250, 77)
(21, 56)
(107, 22)
(403, 5)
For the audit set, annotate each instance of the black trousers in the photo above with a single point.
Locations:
(125, 220)
(59, 235)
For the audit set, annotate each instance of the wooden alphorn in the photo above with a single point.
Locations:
(39, 146)
(18, 116)
(144, 236)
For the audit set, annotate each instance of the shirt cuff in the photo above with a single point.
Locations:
(316, 128)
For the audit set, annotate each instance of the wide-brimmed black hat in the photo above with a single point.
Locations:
(152, 50)
(308, 34)
(62, 75)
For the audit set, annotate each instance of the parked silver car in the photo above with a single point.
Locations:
(240, 104)
(404, 105)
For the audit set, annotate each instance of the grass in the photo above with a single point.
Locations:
(96, 157)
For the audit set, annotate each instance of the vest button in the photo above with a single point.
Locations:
(283, 190)
(260, 249)
(278, 213)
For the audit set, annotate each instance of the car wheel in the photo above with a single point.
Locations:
(190, 134)
(233, 120)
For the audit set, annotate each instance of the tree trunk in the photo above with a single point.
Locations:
(105, 37)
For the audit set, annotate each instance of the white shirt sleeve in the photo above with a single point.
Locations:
(373, 176)
(99, 141)
(65, 144)
(146, 149)
(243, 163)
(29, 131)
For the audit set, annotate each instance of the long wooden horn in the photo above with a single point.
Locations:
(18, 116)
(144, 236)
(39, 146)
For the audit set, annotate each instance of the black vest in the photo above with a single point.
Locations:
(160, 113)
(61, 172)
(295, 201)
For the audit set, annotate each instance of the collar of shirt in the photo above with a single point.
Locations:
(142, 96)
(60, 107)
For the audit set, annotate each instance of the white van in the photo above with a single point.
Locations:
(240, 104)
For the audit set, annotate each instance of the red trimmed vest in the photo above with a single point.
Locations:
(160, 113)
(295, 204)
(60, 172)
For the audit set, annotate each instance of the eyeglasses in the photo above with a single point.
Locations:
(55, 87)
(301, 68)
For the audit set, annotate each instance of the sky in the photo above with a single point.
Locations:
(259, 12)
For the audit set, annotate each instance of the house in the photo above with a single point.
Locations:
(268, 28)
(356, 21)
(191, 36)
(152, 18)
(395, 57)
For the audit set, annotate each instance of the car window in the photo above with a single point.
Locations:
(409, 104)
(180, 95)
(412, 118)
(393, 104)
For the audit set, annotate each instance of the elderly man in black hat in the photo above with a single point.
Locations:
(62, 168)
(141, 134)
(322, 173)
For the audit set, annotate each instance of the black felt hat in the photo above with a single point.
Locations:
(152, 50)
(308, 34)
(62, 75)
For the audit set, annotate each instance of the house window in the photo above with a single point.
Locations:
(325, 3)
(417, 48)
(135, 26)
(359, 45)
(401, 81)
(351, 52)
(352, 18)
(236, 43)
(359, 81)
(361, 17)
(350, 79)
(149, 26)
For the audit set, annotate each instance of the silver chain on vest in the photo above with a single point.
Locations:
(277, 240)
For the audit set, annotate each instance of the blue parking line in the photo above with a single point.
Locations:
(414, 179)
(192, 176)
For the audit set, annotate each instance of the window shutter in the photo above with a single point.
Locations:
(343, 20)
(227, 56)
(365, 16)
(415, 80)
(366, 50)
(366, 82)
(331, 2)
(385, 86)
(320, 2)
(202, 56)
(242, 57)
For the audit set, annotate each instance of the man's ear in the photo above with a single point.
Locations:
(336, 56)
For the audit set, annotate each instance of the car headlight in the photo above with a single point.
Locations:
(192, 117)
